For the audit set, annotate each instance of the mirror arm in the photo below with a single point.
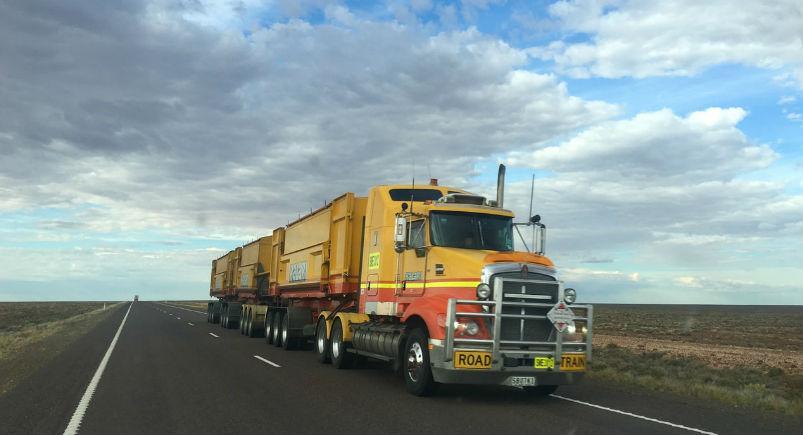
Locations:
(516, 226)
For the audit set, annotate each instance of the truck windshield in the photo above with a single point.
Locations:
(471, 231)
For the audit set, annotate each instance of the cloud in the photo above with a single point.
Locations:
(654, 146)
(678, 38)
(161, 121)
(146, 137)
(659, 188)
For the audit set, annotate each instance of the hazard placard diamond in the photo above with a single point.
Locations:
(561, 316)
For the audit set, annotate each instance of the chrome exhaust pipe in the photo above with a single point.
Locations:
(500, 187)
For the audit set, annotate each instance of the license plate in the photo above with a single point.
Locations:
(544, 362)
(521, 381)
(573, 362)
(472, 360)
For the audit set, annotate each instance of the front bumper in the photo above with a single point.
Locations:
(444, 372)
(501, 371)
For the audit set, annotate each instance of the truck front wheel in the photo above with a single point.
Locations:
(417, 369)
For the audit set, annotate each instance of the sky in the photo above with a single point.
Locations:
(141, 139)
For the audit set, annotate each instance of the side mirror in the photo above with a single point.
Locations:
(535, 219)
(399, 247)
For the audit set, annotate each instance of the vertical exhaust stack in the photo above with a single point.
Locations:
(500, 187)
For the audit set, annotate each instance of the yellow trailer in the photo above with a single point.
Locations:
(317, 268)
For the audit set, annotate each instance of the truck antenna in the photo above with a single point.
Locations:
(412, 200)
(530, 215)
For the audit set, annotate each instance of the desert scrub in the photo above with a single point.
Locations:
(769, 389)
(15, 316)
(773, 327)
(27, 345)
(28, 323)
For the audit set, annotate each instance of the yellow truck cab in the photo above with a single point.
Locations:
(440, 264)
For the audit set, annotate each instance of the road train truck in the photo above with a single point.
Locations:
(424, 277)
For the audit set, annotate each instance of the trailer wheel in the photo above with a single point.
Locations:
(269, 326)
(322, 344)
(224, 317)
(243, 320)
(541, 390)
(288, 342)
(213, 317)
(209, 313)
(249, 324)
(277, 327)
(341, 358)
(417, 369)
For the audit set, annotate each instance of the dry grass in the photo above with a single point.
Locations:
(15, 316)
(771, 327)
(34, 332)
(749, 357)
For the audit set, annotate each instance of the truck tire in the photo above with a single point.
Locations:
(417, 369)
(541, 390)
(209, 313)
(249, 324)
(253, 329)
(278, 315)
(323, 345)
(247, 321)
(269, 326)
(288, 342)
(341, 358)
(243, 322)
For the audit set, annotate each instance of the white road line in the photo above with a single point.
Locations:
(266, 361)
(630, 414)
(178, 318)
(78, 415)
(185, 309)
(191, 324)
(213, 335)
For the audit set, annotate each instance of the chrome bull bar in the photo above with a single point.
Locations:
(453, 343)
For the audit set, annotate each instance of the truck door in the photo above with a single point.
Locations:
(414, 261)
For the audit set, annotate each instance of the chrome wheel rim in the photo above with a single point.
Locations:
(321, 340)
(285, 327)
(336, 343)
(415, 360)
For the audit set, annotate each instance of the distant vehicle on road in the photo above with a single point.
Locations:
(425, 277)
(136, 298)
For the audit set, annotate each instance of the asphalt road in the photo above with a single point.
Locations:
(171, 372)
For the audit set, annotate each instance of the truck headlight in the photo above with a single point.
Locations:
(483, 291)
(472, 328)
(467, 327)
(569, 295)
